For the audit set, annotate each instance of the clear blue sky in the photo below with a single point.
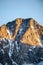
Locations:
(12, 9)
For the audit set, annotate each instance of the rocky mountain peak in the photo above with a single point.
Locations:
(21, 42)
(28, 30)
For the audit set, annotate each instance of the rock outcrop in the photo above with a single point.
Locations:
(31, 36)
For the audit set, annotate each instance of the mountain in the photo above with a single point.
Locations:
(21, 42)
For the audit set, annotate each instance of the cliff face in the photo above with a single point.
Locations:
(21, 41)
(4, 33)
(29, 28)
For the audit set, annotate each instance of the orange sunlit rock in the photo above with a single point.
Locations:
(31, 36)
(18, 22)
(4, 32)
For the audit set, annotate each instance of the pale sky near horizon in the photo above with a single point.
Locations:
(12, 9)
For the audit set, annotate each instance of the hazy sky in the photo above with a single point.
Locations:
(12, 9)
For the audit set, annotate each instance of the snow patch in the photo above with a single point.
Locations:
(11, 47)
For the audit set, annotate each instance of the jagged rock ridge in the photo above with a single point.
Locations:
(30, 31)
(21, 41)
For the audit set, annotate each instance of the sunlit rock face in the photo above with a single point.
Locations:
(21, 42)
